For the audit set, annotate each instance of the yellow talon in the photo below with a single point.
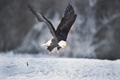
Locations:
(57, 51)
(50, 52)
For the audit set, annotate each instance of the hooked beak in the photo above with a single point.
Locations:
(64, 47)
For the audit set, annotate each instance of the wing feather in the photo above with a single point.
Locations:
(66, 23)
(41, 18)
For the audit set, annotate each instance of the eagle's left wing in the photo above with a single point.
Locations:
(41, 18)
(66, 23)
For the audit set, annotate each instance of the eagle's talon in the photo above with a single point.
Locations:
(50, 52)
(57, 51)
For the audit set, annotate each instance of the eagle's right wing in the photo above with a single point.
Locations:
(41, 18)
(66, 23)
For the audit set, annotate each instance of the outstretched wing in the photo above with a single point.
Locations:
(66, 23)
(41, 18)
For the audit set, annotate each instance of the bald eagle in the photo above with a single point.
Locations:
(61, 33)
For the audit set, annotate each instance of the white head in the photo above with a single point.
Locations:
(62, 44)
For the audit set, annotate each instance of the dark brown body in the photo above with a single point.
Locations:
(53, 45)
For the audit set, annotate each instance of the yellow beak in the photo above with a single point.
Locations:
(64, 46)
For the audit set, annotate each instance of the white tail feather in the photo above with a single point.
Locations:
(43, 44)
(47, 43)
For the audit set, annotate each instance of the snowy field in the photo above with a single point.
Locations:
(23, 67)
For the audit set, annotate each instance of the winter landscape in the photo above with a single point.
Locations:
(93, 43)
(19, 67)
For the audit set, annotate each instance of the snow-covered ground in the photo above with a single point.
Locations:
(18, 67)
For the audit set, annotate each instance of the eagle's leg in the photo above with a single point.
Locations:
(57, 51)
(50, 48)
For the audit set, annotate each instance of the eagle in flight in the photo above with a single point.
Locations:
(61, 33)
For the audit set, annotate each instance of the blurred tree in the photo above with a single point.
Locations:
(95, 33)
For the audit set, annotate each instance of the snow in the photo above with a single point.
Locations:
(14, 67)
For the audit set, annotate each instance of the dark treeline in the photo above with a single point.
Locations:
(96, 32)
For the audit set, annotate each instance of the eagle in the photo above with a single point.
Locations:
(61, 33)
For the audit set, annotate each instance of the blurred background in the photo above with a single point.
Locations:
(95, 33)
